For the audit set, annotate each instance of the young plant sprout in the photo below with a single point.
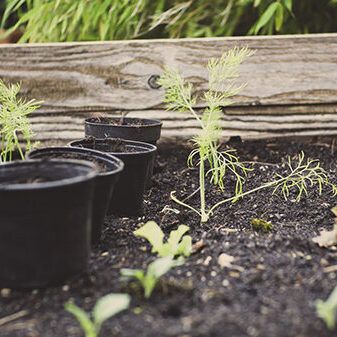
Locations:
(223, 73)
(14, 122)
(105, 307)
(207, 155)
(177, 244)
(327, 310)
(155, 270)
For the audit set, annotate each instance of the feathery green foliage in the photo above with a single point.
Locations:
(67, 20)
(223, 73)
(80, 20)
(301, 173)
(14, 122)
(106, 307)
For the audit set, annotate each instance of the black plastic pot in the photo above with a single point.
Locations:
(109, 168)
(137, 129)
(131, 128)
(45, 217)
(127, 199)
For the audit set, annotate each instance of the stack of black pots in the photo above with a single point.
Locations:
(53, 205)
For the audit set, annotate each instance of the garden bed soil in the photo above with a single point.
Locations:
(270, 294)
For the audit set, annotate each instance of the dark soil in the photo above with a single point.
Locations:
(118, 121)
(271, 293)
(109, 145)
(99, 164)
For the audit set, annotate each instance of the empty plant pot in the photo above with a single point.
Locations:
(127, 198)
(45, 218)
(109, 168)
(129, 128)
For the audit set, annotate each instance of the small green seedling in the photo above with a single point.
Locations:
(327, 310)
(155, 271)
(105, 307)
(261, 225)
(177, 244)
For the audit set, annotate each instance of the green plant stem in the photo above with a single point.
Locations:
(195, 115)
(181, 203)
(270, 184)
(204, 215)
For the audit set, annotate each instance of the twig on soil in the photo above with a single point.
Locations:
(330, 269)
(13, 317)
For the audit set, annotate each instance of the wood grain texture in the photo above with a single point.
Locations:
(292, 83)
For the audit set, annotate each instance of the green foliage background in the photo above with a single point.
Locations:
(85, 20)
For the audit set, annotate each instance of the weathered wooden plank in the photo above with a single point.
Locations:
(115, 75)
(292, 83)
(246, 122)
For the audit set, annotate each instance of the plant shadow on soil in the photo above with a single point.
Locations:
(272, 294)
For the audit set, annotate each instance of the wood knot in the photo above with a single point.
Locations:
(153, 81)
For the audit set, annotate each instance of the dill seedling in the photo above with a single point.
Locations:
(214, 163)
(14, 121)
(223, 73)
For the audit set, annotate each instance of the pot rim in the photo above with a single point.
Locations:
(91, 174)
(148, 148)
(153, 122)
(104, 156)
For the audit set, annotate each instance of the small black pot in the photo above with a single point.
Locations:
(127, 199)
(137, 129)
(109, 168)
(45, 218)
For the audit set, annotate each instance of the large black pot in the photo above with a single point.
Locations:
(45, 218)
(127, 198)
(109, 168)
(137, 129)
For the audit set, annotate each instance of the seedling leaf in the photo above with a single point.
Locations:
(177, 243)
(185, 246)
(327, 310)
(83, 318)
(108, 306)
(155, 270)
(160, 266)
(176, 235)
(105, 307)
(152, 233)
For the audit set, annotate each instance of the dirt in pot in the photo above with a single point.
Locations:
(269, 290)
(100, 165)
(118, 121)
(109, 145)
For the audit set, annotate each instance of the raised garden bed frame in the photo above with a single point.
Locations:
(291, 91)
